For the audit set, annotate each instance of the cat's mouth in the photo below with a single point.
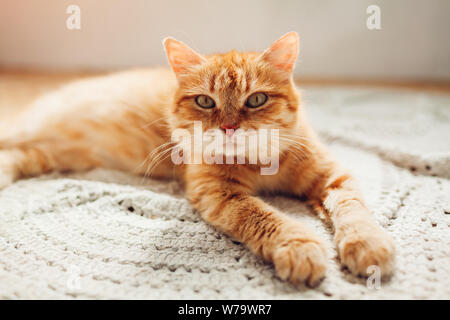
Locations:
(243, 143)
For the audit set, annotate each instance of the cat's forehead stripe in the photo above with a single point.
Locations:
(230, 78)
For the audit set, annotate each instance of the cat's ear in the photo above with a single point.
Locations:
(180, 56)
(282, 54)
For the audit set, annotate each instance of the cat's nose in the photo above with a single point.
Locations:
(229, 128)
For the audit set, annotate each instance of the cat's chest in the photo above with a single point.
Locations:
(278, 181)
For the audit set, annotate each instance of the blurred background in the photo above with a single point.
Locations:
(412, 44)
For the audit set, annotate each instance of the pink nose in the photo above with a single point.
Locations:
(226, 126)
(229, 128)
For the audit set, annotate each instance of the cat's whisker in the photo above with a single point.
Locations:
(153, 160)
(294, 136)
(142, 113)
(155, 154)
(153, 122)
(294, 142)
(295, 155)
(157, 160)
(150, 155)
(163, 157)
(299, 148)
(291, 146)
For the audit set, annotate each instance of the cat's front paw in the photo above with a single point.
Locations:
(301, 261)
(360, 250)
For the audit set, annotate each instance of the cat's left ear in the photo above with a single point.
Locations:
(180, 56)
(282, 54)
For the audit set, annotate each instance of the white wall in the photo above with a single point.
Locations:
(335, 42)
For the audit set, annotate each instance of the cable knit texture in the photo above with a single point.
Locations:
(106, 234)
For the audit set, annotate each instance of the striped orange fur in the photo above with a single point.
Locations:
(124, 121)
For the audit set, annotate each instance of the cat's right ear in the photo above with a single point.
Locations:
(181, 57)
(282, 54)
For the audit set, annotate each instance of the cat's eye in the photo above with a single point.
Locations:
(256, 100)
(205, 101)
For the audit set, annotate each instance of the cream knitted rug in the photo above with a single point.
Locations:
(107, 234)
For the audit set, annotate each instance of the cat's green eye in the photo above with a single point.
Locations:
(256, 100)
(205, 101)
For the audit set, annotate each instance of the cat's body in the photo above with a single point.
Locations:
(117, 112)
(124, 121)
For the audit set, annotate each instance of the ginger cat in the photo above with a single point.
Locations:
(124, 121)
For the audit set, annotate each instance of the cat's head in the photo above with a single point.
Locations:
(235, 91)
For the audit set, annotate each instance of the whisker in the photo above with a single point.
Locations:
(295, 145)
(294, 136)
(156, 154)
(296, 156)
(294, 142)
(157, 160)
(153, 122)
(151, 154)
(151, 157)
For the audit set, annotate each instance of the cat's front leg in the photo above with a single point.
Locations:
(297, 253)
(361, 243)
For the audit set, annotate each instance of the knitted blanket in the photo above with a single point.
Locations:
(106, 234)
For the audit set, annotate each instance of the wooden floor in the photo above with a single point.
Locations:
(18, 88)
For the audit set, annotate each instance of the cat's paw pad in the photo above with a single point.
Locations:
(358, 252)
(301, 261)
